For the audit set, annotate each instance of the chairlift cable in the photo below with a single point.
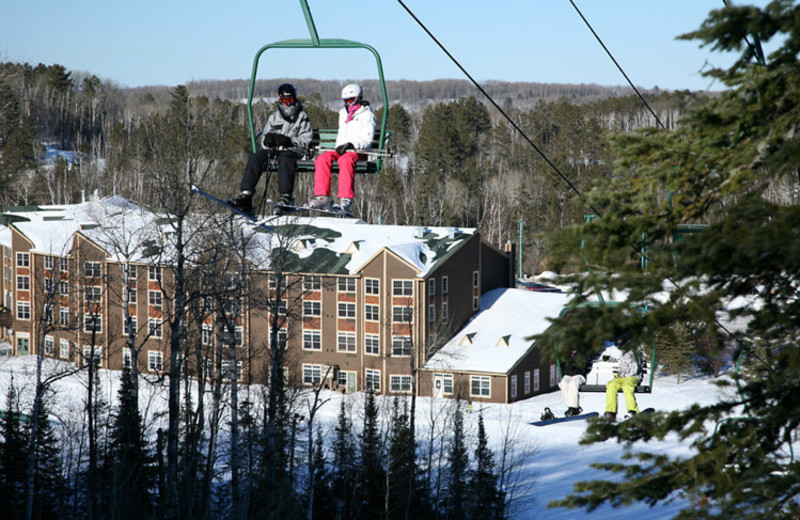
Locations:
(499, 109)
(616, 63)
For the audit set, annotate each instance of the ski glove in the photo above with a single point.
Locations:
(342, 148)
(283, 140)
(270, 141)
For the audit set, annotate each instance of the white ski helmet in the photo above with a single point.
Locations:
(353, 90)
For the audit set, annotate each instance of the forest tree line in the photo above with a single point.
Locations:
(457, 160)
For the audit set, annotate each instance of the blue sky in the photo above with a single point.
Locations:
(170, 42)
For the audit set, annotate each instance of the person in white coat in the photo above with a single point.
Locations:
(356, 131)
(574, 376)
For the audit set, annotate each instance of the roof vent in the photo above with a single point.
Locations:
(467, 340)
(503, 342)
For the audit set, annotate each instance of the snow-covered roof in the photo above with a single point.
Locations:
(344, 246)
(51, 229)
(494, 340)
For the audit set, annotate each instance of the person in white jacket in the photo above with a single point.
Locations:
(627, 377)
(356, 130)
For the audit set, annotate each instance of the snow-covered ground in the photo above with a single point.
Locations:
(552, 459)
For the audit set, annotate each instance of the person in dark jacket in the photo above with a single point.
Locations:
(285, 138)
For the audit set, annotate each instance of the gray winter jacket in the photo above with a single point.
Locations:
(629, 366)
(292, 122)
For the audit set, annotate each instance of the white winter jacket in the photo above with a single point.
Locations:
(360, 130)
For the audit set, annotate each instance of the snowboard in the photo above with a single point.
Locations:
(641, 412)
(196, 189)
(556, 420)
(289, 210)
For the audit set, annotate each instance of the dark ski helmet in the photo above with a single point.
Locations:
(287, 89)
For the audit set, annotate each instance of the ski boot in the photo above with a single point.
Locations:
(571, 411)
(243, 202)
(321, 202)
(343, 208)
(284, 204)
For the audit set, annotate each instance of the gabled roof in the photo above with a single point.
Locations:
(496, 335)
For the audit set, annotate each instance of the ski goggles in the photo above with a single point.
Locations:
(287, 100)
(350, 101)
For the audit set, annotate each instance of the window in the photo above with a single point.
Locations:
(154, 327)
(536, 383)
(476, 303)
(131, 272)
(401, 346)
(400, 383)
(312, 340)
(372, 344)
(312, 374)
(48, 286)
(513, 387)
(131, 295)
(281, 337)
(92, 322)
(527, 382)
(48, 313)
(63, 348)
(23, 310)
(371, 312)
(341, 377)
(445, 311)
(64, 287)
(447, 382)
(312, 308)
(155, 361)
(92, 293)
(23, 260)
(154, 299)
(154, 273)
(312, 283)
(479, 386)
(63, 316)
(63, 264)
(373, 379)
(274, 279)
(95, 353)
(132, 328)
(206, 333)
(48, 262)
(553, 374)
(476, 279)
(445, 285)
(91, 269)
(347, 285)
(23, 283)
(238, 333)
(49, 345)
(346, 342)
(127, 358)
(431, 313)
(372, 286)
(347, 310)
(403, 288)
(228, 371)
(432, 287)
(402, 314)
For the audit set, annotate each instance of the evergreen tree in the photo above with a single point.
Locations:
(372, 472)
(324, 501)
(343, 475)
(49, 483)
(131, 472)
(13, 457)
(722, 165)
(408, 496)
(458, 466)
(486, 499)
